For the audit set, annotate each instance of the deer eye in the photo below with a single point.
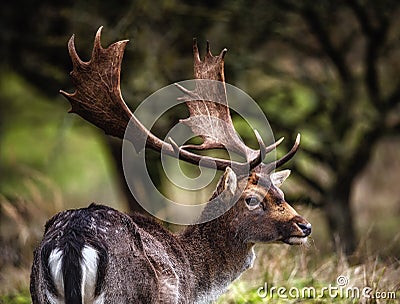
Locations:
(252, 201)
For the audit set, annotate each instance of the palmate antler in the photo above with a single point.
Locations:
(209, 99)
(98, 100)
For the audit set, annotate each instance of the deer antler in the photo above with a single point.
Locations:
(208, 106)
(98, 99)
(209, 100)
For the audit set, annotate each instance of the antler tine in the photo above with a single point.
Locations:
(72, 52)
(274, 145)
(263, 148)
(284, 159)
(263, 151)
(196, 54)
(191, 94)
(174, 145)
(208, 50)
(97, 43)
(223, 53)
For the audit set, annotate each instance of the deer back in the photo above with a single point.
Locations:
(111, 256)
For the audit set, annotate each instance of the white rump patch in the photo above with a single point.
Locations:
(89, 265)
(55, 265)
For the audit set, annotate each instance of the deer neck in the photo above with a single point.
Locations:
(217, 255)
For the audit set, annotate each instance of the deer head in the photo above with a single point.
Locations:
(253, 184)
(260, 213)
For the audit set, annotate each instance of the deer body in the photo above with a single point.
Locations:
(100, 255)
(143, 263)
(115, 258)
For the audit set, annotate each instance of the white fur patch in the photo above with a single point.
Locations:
(296, 240)
(55, 265)
(250, 259)
(89, 266)
(99, 299)
(52, 299)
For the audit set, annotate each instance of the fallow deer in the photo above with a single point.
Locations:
(100, 255)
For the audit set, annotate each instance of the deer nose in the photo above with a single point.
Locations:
(306, 228)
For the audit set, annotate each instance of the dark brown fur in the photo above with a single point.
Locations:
(146, 263)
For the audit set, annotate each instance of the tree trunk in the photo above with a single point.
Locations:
(340, 220)
(115, 146)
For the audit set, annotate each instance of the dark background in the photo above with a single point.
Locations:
(327, 69)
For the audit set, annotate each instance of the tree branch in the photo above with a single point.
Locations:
(393, 99)
(307, 180)
(375, 36)
(339, 112)
(308, 201)
(323, 157)
(361, 16)
(317, 27)
(299, 45)
(304, 200)
(361, 155)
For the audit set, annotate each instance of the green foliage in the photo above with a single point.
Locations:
(21, 297)
(39, 136)
(48, 162)
(280, 103)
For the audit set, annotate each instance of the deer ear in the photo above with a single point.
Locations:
(277, 178)
(228, 182)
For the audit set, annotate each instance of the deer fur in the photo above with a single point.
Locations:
(100, 255)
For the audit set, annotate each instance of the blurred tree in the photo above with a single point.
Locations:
(331, 71)
(34, 45)
(328, 69)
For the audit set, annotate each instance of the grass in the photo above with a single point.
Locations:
(284, 274)
(297, 271)
(19, 297)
